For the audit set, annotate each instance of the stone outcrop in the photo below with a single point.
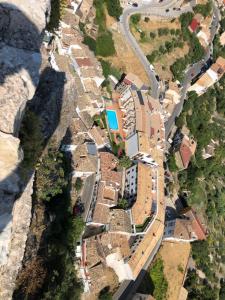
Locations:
(20, 225)
(21, 27)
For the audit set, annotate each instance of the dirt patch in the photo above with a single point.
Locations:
(126, 60)
(175, 258)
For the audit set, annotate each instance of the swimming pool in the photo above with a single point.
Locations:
(112, 119)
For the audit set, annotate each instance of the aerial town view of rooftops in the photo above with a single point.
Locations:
(112, 149)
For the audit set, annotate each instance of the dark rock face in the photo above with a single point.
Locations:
(18, 31)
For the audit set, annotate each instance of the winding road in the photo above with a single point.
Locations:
(167, 9)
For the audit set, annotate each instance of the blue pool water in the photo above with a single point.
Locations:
(112, 119)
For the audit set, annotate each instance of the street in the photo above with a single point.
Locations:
(161, 9)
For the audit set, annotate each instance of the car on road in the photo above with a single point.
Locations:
(151, 67)
(157, 77)
(135, 4)
(167, 10)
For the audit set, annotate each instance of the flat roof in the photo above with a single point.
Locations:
(131, 145)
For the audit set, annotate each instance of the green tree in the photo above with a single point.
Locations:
(125, 162)
(32, 140)
(172, 163)
(122, 203)
(152, 35)
(135, 19)
(203, 9)
(57, 12)
(114, 8)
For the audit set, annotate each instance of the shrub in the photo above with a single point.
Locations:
(90, 42)
(158, 279)
(152, 35)
(105, 45)
(109, 70)
(78, 184)
(50, 178)
(31, 140)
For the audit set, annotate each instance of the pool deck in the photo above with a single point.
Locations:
(115, 106)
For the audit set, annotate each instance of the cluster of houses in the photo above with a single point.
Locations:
(122, 239)
(210, 77)
(200, 26)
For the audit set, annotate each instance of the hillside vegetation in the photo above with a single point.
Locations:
(203, 186)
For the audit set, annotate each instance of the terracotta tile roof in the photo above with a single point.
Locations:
(194, 25)
(186, 154)
(108, 163)
(107, 195)
(92, 253)
(101, 214)
(113, 240)
(98, 135)
(84, 62)
(221, 62)
(187, 149)
(141, 209)
(196, 225)
(119, 220)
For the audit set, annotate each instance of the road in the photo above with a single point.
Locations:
(192, 72)
(159, 9)
(128, 288)
(156, 9)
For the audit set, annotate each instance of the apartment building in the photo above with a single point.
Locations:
(149, 129)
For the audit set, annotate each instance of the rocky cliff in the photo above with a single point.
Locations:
(21, 27)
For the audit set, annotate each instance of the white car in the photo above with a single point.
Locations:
(152, 68)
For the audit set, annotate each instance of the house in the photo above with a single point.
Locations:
(222, 39)
(84, 160)
(185, 150)
(150, 133)
(187, 227)
(108, 164)
(140, 296)
(195, 23)
(209, 150)
(84, 9)
(212, 75)
(99, 136)
(173, 93)
(108, 190)
(128, 81)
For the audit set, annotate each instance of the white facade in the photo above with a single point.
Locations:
(131, 182)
